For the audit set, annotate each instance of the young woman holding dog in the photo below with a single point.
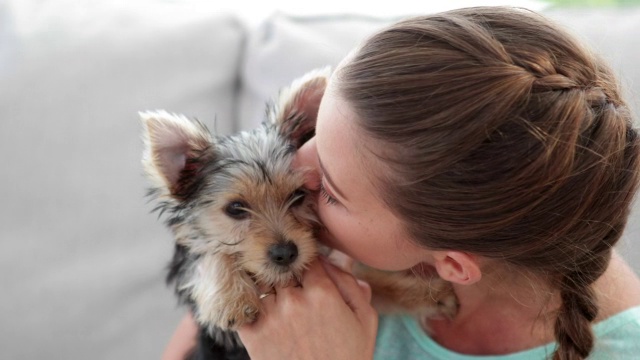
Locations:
(485, 144)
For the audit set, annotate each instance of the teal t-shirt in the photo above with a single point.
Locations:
(401, 337)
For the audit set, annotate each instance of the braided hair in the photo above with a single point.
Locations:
(507, 139)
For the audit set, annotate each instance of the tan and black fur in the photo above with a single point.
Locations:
(240, 217)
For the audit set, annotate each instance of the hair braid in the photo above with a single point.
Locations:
(573, 324)
(592, 107)
(578, 309)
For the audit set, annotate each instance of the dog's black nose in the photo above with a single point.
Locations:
(283, 253)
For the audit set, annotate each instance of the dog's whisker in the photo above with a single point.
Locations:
(231, 244)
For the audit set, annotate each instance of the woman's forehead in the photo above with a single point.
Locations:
(342, 146)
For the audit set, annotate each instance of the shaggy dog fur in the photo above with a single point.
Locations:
(241, 220)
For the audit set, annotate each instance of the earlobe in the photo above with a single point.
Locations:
(457, 267)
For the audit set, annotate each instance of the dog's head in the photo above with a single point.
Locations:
(239, 195)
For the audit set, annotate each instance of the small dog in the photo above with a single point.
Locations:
(242, 221)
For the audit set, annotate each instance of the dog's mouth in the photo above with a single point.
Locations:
(277, 276)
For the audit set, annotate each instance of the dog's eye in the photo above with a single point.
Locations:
(237, 210)
(297, 198)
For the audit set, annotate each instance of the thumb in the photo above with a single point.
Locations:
(356, 293)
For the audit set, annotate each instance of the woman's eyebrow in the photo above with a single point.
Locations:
(333, 185)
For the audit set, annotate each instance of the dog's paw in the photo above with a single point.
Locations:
(239, 312)
(247, 315)
(446, 302)
(448, 306)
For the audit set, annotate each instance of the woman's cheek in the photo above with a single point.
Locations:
(326, 235)
(336, 227)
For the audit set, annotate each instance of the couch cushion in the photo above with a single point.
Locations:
(82, 259)
(285, 47)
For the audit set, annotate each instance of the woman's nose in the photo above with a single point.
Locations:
(306, 159)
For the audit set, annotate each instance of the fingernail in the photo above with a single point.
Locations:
(341, 261)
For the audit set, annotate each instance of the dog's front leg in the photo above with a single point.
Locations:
(403, 292)
(225, 296)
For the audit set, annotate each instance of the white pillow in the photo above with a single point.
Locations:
(285, 47)
(82, 257)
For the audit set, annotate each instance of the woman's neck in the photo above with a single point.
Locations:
(498, 317)
(501, 315)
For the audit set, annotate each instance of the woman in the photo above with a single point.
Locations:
(485, 143)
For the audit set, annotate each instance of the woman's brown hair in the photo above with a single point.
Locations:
(506, 139)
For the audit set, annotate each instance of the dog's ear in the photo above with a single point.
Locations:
(296, 110)
(176, 149)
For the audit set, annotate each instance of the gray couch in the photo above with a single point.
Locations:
(82, 260)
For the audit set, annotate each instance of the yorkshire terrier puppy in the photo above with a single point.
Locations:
(242, 221)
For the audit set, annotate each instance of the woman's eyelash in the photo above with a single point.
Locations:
(325, 195)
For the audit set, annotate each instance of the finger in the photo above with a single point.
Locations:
(356, 294)
(316, 275)
(366, 289)
(322, 273)
(341, 260)
(183, 340)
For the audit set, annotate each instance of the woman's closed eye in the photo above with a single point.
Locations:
(330, 200)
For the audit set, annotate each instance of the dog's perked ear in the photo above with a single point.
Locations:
(176, 150)
(296, 109)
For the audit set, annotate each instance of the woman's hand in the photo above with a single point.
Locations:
(183, 340)
(328, 317)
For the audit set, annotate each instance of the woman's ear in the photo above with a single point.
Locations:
(457, 267)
